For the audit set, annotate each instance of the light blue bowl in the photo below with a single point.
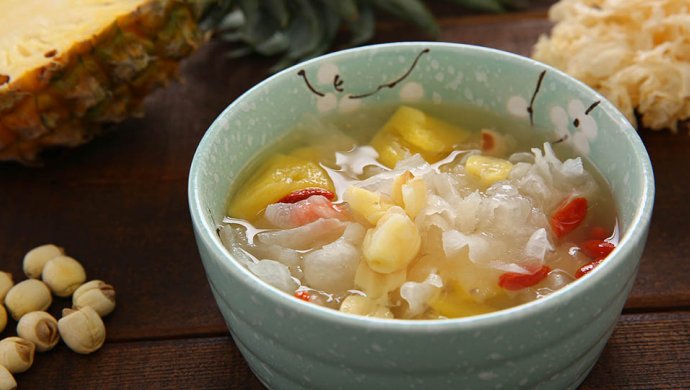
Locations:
(551, 343)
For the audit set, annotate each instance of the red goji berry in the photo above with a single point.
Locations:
(303, 295)
(595, 249)
(568, 216)
(516, 281)
(305, 193)
(587, 268)
(599, 233)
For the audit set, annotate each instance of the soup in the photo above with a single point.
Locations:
(404, 212)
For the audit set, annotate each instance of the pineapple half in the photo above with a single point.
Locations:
(69, 66)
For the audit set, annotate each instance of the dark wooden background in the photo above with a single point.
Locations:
(119, 205)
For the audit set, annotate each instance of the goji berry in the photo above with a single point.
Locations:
(595, 249)
(568, 216)
(599, 233)
(303, 295)
(588, 267)
(516, 281)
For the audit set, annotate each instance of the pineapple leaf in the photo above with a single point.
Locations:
(347, 9)
(362, 28)
(483, 5)
(412, 11)
(331, 21)
(305, 30)
(232, 22)
(300, 29)
(279, 11)
(214, 12)
(276, 44)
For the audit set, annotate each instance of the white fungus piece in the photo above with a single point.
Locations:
(287, 256)
(274, 273)
(235, 239)
(316, 233)
(478, 245)
(418, 295)
(537, 245)
(332, 268)
(635, 52)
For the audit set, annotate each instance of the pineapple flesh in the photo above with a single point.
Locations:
(67, 67)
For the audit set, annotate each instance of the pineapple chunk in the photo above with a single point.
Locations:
(277, 177)
(375, 284)
(390, 148)
(488, 170)
(409, 131)
(364, 306)
(366, 204)
(308, 153)
(393, 243)
(457, 303)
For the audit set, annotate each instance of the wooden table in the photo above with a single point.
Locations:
(119, 205)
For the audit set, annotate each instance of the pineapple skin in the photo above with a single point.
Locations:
(99, 81)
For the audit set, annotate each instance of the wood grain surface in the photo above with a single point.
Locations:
(119, 205)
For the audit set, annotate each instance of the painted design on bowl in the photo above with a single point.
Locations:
(586, 128)
(327, 101)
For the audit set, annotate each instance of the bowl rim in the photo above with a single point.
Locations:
(637, 230)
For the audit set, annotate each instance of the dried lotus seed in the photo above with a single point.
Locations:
(27, 296)
(63, 275)
(36, 259)
(40, 328)
(82, 330)
(3, 318)
(6, 284)
(97, 294)
(7, 381)
(16, 354)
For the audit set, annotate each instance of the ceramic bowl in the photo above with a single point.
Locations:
(550, 343)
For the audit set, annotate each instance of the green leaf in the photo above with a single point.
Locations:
(259, 26)
(214, 12)
(276, 44)
(279, 11)
(482, 5)
(331, 22)
(362, 29)
(514, 3)
(233, 21)
(412, 11)
(305, 29)
(347, 9)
